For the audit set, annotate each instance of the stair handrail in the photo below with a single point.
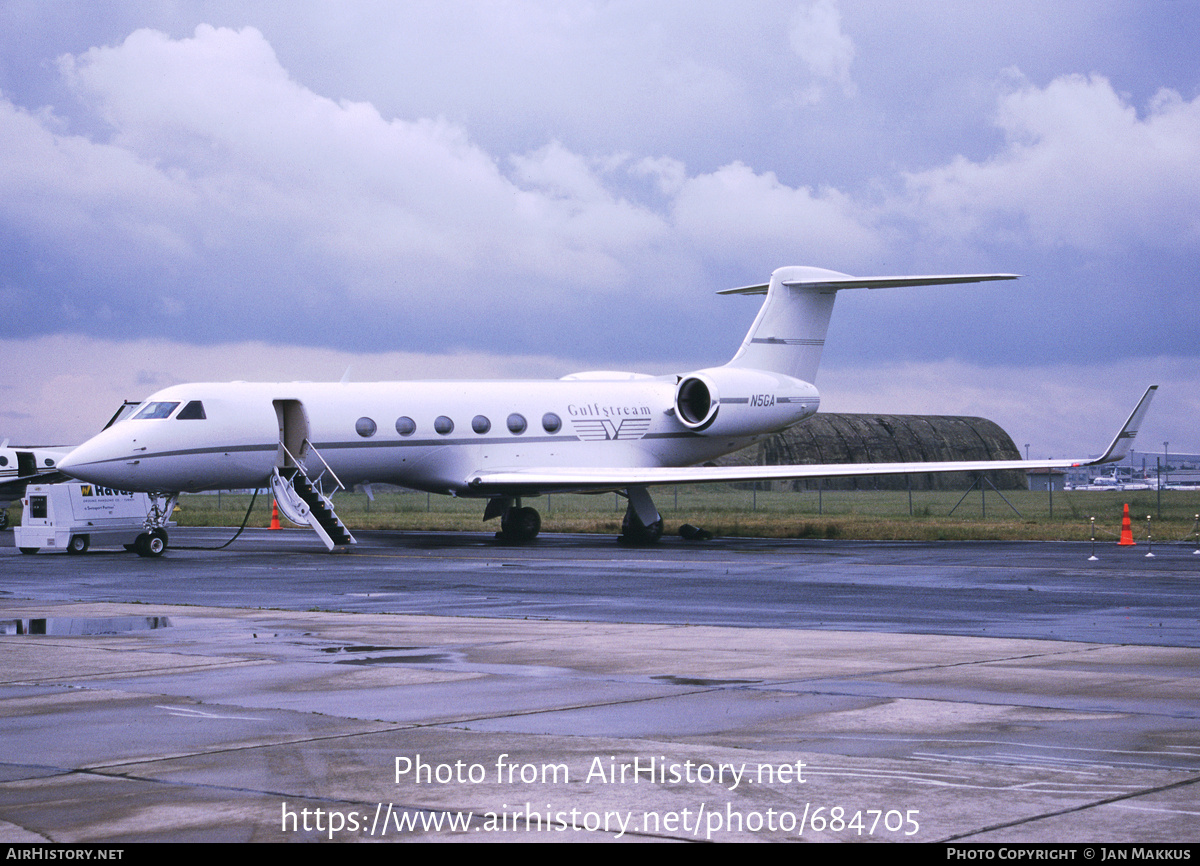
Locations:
(313, 449)
(300, 466)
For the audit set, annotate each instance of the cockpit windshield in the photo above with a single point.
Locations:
(155, 410)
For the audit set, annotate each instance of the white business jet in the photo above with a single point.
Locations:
(503, 441)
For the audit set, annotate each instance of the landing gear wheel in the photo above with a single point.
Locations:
(151, 544)
(633, 531)
(520, 524)
(78, 544)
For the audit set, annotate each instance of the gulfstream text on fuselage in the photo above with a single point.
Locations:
(596, 410)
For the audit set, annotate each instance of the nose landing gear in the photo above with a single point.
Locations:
(153, 541)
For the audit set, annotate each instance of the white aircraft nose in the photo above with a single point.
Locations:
(71, 462)
(99, 460)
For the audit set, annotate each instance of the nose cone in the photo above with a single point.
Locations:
(103, 460)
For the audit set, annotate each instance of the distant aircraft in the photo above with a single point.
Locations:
(1107, 482)
(1113, 481)
(504, 441)
(22, 465)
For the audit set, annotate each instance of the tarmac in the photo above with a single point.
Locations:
(444, 687)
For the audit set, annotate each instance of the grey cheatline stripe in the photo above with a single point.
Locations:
(408, 443)
(413, 443)
(458, 440)
(788, 341)
(134, 458)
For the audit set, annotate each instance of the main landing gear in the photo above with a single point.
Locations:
(642, 523)
(520, 524)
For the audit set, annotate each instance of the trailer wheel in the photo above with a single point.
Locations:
(30, 550)
(78, 544)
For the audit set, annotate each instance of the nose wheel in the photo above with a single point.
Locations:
(153, 541)
(151, 544)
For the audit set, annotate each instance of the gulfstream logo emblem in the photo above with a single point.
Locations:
(600, 429)
(595, 422)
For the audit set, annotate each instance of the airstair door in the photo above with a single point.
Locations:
(293, 434)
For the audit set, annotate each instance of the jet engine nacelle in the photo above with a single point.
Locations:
(729, 401)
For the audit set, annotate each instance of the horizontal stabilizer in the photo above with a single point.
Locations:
(833, 280)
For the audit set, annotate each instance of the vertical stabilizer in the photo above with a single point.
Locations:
(789, 333)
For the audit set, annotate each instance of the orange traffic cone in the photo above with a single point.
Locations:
(1126, 530)
(275, 515)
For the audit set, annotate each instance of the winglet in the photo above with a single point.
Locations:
(1124, 439)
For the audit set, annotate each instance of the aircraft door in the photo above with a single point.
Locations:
(293, 433)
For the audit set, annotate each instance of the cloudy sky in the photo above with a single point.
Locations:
(285, 190)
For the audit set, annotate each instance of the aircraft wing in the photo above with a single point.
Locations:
(553, 479)
(12, 489)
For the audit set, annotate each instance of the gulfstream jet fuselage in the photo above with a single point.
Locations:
(433, 436)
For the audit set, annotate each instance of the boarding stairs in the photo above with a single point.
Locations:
(301, 500)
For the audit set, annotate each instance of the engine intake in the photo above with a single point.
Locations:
(696, 401)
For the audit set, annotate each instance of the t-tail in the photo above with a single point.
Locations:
(789, 333)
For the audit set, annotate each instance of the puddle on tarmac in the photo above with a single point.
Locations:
(430, 659)
(696, 681)
(370, 656)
